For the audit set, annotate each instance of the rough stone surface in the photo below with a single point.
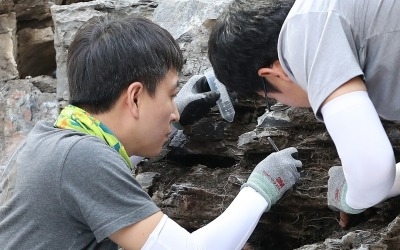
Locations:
(28, 10)
(68, 19)
(180, 17)
(8, 47)
(36, 45)
(22, 105)
(201, 170)
(6, 6)
(33, 51)
(190, 23)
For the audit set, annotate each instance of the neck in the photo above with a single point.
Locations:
(117, 121)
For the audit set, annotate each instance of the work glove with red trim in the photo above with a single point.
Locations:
(274, 175)
(337, 189)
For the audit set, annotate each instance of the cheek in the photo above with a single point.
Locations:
(302, 100)
(169, 108)
(285, 99)
(294, 99)
(163, 113)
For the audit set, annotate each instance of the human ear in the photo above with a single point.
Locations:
(133, 98)
(266, 72)
(275, 70)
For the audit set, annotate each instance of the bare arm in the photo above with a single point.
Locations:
(134, 236)
(355, 84)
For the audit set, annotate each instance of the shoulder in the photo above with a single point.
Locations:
(92, 151)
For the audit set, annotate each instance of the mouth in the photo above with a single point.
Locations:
(168, 135)
(165, 139)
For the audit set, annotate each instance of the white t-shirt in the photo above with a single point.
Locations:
(325, 43)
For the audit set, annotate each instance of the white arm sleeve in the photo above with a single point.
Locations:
(363, 147)
(395, 191)
(230, 230)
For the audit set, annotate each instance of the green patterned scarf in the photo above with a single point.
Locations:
(77, 119)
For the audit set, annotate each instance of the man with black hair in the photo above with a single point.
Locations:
(70, 186)
(338, 57)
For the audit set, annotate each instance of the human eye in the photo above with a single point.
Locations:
(174, 94)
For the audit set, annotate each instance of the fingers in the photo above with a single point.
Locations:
(335, 170)
(294, 153)
(211, 98)
(193, 82)
(290, 150)
(344, 219)
(197, 109)
(201, 85)
(298, 164)
(349, 220)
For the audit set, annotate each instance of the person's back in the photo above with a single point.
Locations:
(337, 57)
(324, 43)
(31, 191)
(38, 182)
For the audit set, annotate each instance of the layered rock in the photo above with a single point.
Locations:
(201, 169)
(8, 47)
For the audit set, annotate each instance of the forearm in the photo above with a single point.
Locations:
(363, 146)
(230, 230)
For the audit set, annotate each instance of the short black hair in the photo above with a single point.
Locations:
(244, 39)
(109, 54)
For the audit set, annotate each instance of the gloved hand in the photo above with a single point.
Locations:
(195, 100)
(275, 174)
(337, 189)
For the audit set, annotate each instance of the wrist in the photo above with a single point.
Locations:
(341, 204)
(270, 198)
(346, 208)
(254, 197)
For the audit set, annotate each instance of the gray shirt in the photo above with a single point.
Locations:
(67, 190)
(325, 43)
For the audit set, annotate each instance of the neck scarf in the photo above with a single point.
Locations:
(77, 119)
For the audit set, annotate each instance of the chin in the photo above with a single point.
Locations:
(305, 105)
(148, 154)
(155, 153)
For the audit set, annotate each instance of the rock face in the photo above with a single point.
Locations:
(68, 18)
(23, 103)
(202, 168)
(201, 172)
(29, 40)
(8, 47)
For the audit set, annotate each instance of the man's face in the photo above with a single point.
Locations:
(156, 115)
(292, 95)
(287, 92)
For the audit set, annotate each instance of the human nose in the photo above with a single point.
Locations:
(175, 114)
